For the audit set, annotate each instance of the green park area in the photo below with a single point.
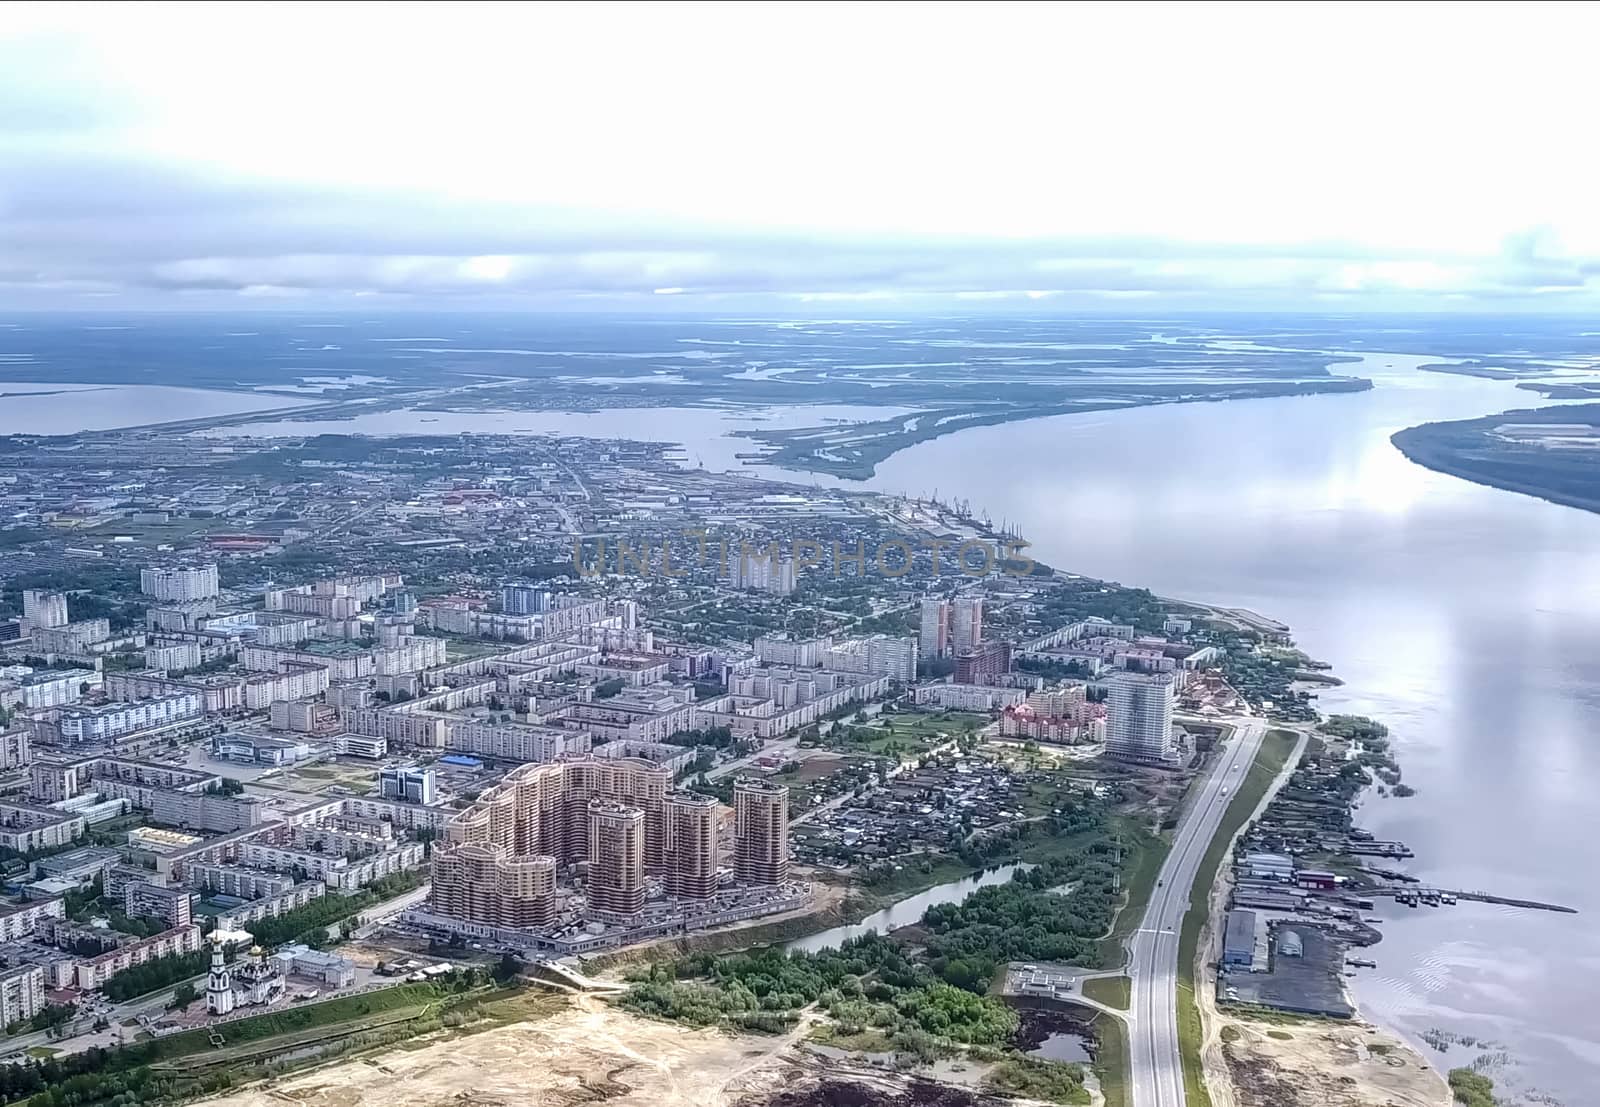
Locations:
(211, 1059)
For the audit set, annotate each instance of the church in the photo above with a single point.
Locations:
(253, 982)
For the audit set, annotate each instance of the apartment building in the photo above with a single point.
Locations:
(761, 831)
(41, 609)
(180, 585)
(236, 880)
(614, 887)
(16, 749)
(176, 655)
(25, 827)
(1139, 715)
(23, 993)
(91, 975)
(24, 919)
(875, 655)
(271, 906)
(486, 884)
(105, 722)
(984, 663)
(72, 637)
(145, 900)
(967, 697)
(692, 845)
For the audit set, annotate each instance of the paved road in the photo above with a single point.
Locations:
(1153, 1028)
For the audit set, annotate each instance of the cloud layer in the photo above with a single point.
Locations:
(119, 189)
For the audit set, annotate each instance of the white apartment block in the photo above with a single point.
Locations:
(25, 827)
(293, 682)
(335, 870)
(50, 687)
(966, 697)
(236, 880)
(92, 974)
(16, 751)
(516, 741)
(22, 920)
(180, 585)
(875, 655)
(618, 718)
(72, 637)
(44, 609)
(934, 637)
(98, 724)
(797, 653)
(966, 623)
(398, 813)
(270, 907)
(345, 661)
(22, 993)
(180, 655)
(1139, 715)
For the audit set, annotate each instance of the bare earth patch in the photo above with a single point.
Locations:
(588, 1053)
(1327, 1065)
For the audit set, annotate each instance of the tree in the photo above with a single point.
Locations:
(508, 967)
(183, 995)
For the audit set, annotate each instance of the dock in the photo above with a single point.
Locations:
(1446, 896)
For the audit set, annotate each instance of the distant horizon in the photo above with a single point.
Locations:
(785, 159)
(820, 314)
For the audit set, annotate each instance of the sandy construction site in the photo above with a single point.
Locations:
(584, 1054)
(1325, 1065)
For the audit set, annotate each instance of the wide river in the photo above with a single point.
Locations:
(1466, 618)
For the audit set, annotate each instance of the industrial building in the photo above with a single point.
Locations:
(1239, 939)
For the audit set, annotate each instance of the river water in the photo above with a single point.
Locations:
(1466, 618)
(907, 911)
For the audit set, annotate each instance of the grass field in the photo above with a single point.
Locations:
(1113, 991)
(319, 778)
(1140, 868)
(1273, 755)
(410, 998)
(1111, 1065)
(909, 731)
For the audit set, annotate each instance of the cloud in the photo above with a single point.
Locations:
(75, 225)
(106, 201)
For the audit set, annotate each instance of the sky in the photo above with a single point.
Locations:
(1341, 157)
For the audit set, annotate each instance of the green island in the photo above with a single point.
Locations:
(1544, 452)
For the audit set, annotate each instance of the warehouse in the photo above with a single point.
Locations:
(1239, 941)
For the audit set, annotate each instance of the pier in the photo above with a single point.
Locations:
(1446, 896)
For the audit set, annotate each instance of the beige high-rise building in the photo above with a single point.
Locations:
(485, 884)
(544, 808)
(628, 780)
(616, 885)
(761, 831)
(692, 855)
(617, 814)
